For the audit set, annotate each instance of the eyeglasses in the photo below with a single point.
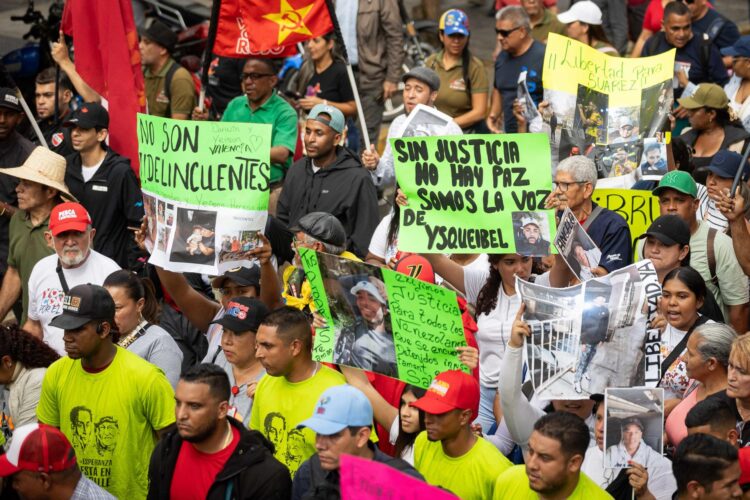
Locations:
(563, 186)
(506, 33)
(255, 76)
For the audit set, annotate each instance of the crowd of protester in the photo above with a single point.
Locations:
(127, 380)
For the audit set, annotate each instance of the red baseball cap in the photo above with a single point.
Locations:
(450, 390)
(68, 217)
(37, 448)
(416, 266)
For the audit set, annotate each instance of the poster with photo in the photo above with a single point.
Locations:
(524, 97)
(425, 121)
(383, 321)
(576, 247)
(589, 336)
(615, 100)
(633, 426)
(531, 233)
(653, 164)
(205, 189)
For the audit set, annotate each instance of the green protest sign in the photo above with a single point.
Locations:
(383, 321)
(217, 164)
(475, 193)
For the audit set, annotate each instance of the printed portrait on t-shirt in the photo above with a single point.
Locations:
(94, 439)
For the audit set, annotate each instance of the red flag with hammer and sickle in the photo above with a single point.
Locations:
(268, 28)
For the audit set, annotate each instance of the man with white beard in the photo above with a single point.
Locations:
(73, 263)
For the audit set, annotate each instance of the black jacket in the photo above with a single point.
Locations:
(114, 201)
(13, 152)
(250, 472)
(343, 189)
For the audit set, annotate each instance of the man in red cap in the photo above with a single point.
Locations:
(43, 465)
(447, 453)
(74, 262)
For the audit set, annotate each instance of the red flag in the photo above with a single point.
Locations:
(107, 57)
(276, 26)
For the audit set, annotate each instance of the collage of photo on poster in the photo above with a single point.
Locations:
(207, 240)
(589, 336)
(576, 247)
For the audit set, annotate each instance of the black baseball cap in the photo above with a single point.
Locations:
(89, 115)
(9, 99)
(243, 314)
(323, 227)
(160, 33)
(670, 230)
(84, 303)
(243, 276)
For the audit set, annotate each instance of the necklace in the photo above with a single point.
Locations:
(137, 332)
(228, 437)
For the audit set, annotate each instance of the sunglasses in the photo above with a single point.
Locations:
(506, 33)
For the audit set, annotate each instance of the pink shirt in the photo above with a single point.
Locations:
(675, 424)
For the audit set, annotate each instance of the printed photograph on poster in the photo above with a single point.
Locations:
(587, 337)
(358, 302)
(165, 229)
(623, 125)
(656, 103)
(591, 116)
(235, 246)
(423, 120)
(160, 212)
(576, 247)
(149, 208)
(619, 159)
(683, 67)
(531, 233)
(524, 97)
(237, 235)
(195, 237)
(633, 426)
(554, 316)
(654, 159)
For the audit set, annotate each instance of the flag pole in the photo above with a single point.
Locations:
(212, 27)
(349, 72)
(32, 121)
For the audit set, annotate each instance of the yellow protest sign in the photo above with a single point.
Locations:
(638, 208)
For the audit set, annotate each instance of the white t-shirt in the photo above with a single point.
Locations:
(661, 481)
(494, 328)
(378, 242)
(89, 172)
(46, 293)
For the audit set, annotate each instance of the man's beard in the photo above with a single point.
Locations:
(75, 260)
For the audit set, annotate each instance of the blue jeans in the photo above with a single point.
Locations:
(583, 363)
(486, 416)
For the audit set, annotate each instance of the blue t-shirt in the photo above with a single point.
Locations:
(727, 35)
(507, 69)
(611, 234)
(700, 72)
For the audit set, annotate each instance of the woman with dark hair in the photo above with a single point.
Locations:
(403, 423)
(583, 22)
(323, 78)
(683, 294)
(713, 127)
(493, 291)
(463, 80)
(23, 362)
(136, 315)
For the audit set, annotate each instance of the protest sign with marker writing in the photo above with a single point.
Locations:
(639, 208)
(205, 190)
(383, 321)
(463, 191)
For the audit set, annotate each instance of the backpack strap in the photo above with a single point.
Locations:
(715, 27)
(677, 351)
(168, 84)
(593, 215)
(711, 255)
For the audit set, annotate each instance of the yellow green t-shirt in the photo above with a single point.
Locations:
(513, 483)
(280, 405)
(110, 417)
(470, 476)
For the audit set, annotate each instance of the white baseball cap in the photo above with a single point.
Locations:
(586, 12)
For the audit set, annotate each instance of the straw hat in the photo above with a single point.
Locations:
(44, 167)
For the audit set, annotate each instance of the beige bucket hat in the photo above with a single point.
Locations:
(44, 167)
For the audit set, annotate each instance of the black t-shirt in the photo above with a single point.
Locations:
(507, 69)
(728, 33)
(224, 75)
(332, 84)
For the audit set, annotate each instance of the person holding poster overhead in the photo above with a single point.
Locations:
(493, 291)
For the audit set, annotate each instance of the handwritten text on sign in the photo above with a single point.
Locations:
(462, 191)
(205, 163)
